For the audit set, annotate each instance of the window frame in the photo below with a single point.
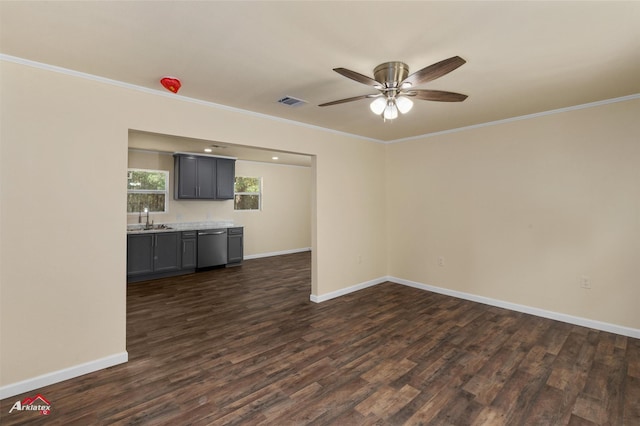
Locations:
(259, 194)
(164, 191)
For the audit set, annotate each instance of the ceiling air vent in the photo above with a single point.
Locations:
(291, 101)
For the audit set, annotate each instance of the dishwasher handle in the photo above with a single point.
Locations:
(212, 232)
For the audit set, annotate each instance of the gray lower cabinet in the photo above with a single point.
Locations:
(189, 250)
(154, 253)
(139, 254)
(162, 254)
(166, 253)
(235, 245)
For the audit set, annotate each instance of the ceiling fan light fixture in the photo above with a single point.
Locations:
(378, 105)
(404, 104)
(395, 85)
(391, 110)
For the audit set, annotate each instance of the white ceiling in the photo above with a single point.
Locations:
(522, 57)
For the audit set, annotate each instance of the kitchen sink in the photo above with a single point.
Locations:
(159, 227)
(148, 228)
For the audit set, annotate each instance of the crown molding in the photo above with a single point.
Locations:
(61, 70)
(92, 77)
(521, 117)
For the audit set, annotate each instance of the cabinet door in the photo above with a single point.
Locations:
(189, 253)
(167, 251)
(185, 177)
(206, 178)
(139, 254)
(225, 177)
(235, 246)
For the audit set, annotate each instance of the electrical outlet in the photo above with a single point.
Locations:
(359, 260)
(585, 282)
(440, 260)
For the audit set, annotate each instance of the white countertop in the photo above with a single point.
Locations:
(182, 226)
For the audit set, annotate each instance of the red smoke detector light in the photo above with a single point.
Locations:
(172, 84)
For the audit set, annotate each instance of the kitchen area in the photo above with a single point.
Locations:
(176, 249)
(185, 214)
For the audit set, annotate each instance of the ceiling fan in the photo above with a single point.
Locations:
(395, 85)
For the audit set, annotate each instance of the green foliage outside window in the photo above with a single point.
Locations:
(247, 184)
(147, 189)
(248, 191)
(138, 202)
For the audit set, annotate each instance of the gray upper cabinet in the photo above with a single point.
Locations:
(186, 177)
(203, 178)
(206, 178)
(225, 178)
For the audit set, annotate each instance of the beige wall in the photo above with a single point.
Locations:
(63, 162)
(283, 224)
(521, 211)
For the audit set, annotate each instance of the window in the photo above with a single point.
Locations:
(147, 189)
(248, 193)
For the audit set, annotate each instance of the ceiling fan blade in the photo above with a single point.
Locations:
(434, 71)
(360, 78)
(355, 98)
(437, 95)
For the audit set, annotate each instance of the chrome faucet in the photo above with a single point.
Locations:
(140, 213)
(147, 224)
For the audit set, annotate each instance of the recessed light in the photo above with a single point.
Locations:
(208, 150)
(274, 158)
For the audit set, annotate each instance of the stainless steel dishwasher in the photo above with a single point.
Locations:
(212, 247)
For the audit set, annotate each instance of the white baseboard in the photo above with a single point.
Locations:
(342, 292)
(120, 358)
(62, 375)
(570, 319)
(276, 253)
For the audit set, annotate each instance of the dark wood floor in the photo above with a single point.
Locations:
(246, 346)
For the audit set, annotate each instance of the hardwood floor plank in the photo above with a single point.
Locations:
(579, 421)
(631, 413)
(547, 409)
(590, 409)
(461, 409)
(245, 346)
(515, 400)
(387, 371)
(490, 416)
(386, 401)
(490, 379)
